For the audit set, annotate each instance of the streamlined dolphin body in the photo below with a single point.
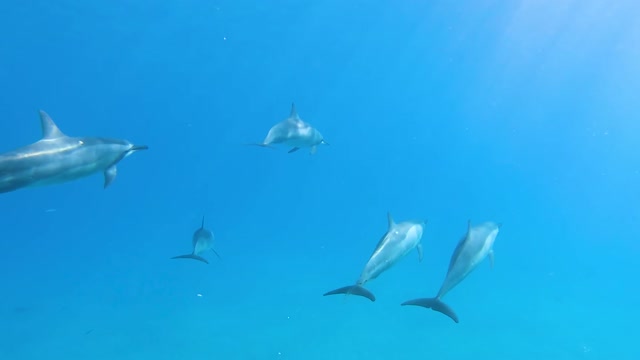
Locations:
(202, 240)
(397, 242)
(470, 251)
(58, 158)
(294, 132)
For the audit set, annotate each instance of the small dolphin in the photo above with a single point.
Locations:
(397, 242)
(470, 251)
(294, 132)
(202, 241)
(58, 158)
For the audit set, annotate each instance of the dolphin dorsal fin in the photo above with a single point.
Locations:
(294, 113)
(468, 230)
(49, 128)
(390, 220)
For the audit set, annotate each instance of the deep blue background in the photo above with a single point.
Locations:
(523, 112)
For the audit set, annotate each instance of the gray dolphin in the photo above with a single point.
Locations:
(397, 242)
(474, 246)
(58, 158)
(202, 241)
(294, 132)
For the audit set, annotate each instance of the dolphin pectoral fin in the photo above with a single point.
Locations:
(491, 258)
(110, 175)
(191, 256)
(293, 150)
(218, 255)
(353, 290)
(420, 253)
(434, 304)
(314, 150)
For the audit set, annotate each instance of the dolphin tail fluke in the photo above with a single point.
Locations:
(434, 304)
(353, 290)
(191, 256)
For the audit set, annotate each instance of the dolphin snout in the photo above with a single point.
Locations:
(139, 147)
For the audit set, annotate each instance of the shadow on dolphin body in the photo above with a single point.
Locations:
(398, 241)
(202, 240)
(472, 248)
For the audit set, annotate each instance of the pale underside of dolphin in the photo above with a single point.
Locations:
(395, 244)
(57, 158)
(471, 250)
(202, 241)
(294, 132)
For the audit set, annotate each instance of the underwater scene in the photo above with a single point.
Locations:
(315, 180)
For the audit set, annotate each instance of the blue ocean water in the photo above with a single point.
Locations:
(520, 112)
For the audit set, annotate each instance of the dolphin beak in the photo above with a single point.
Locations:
(325, 143)
(139, 147)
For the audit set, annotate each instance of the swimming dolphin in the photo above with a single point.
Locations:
(294, 132)
(397, 242)
(470, 251)
(202, 241)
(58, 158)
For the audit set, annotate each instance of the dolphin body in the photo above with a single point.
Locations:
(294, 132)
(471, 250)
(202, 241)
(397, 242)
(57, 158)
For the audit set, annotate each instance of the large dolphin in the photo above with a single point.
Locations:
(202, 241)
(58, 158)
(397, 242)
(294, 132)
(474, 246)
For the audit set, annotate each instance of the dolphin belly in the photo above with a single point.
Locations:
(48, 169)
(396, 248)
(64, 174)
(299, 142)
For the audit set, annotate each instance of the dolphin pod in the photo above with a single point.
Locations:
(57, 158)
(400, 239)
